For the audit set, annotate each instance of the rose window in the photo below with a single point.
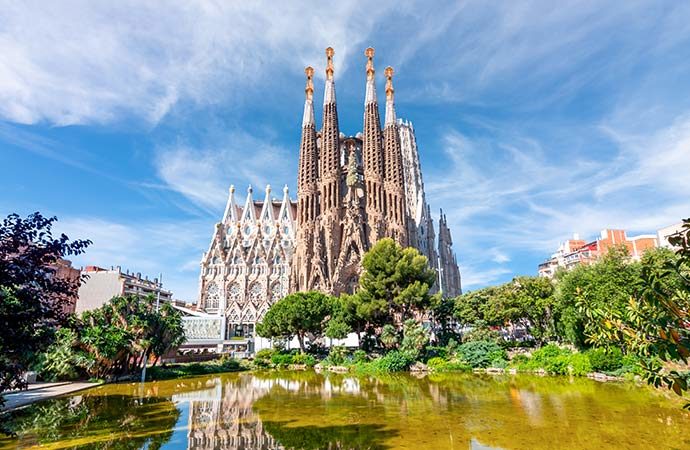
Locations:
(234, 293)
(255, 293)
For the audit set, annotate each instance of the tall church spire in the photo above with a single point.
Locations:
(372, 154)
(307, 188)
(327, 240)
(330, 142)
(394, 184)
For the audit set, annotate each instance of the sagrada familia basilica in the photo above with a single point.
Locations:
(351, 192)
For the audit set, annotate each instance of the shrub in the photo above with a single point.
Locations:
(438, 364)
(359, 357)
(262, 359)
(394, 361)
(605, 360)
(281, 359)
(337, 356)
(579, 364)
(303, 359)
(482, 353)
(415, 337)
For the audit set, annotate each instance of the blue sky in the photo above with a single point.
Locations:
(534, 119)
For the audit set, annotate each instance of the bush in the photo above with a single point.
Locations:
(394, 361)
(262, 359)
(579, 364)
(359, 357)
(281, 359)
(337, 356)
(482, 354)
(303, 359)
(605, 360)
(438, 364)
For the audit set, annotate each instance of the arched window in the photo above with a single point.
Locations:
(212, 296)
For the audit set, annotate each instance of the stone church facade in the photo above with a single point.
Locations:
(351, 192)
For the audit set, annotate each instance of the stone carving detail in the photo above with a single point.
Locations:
(202, 328)
(250, 244)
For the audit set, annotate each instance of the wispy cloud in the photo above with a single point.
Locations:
(148, 247)
(203, 175)
(85, 62)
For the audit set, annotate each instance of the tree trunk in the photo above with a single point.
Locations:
(300, 339)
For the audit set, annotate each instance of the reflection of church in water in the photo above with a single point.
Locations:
(352, 191)
(221, 417)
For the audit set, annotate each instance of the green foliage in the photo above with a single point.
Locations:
(389, 336)
(415, 338)
(337, 356)
(31, 297)
(651, 323)
(337, 328)
(262, 358)
(607, 284)
(605, 360)
(63, 360)
(303, 359)
(438, 364)
(481, 332)
(173, 371)
(297, 314)
(526, 301)
(395, 282)
(359, 357)
(482, 354)
(122, 334)
(393, 361)
(281, 359)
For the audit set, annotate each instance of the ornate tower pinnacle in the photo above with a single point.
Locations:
(308, 116)
(372, 153)
(309, 88)
(394, 182)
(369, 53)
(329, 64)
(390, 105)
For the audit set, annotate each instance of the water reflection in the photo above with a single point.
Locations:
(306, 410)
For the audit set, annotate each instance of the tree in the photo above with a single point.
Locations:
(395, 281)
(297, 315)
(609, 283)
(653, 323)
(530, 302)
(32, 299)
(117, 338)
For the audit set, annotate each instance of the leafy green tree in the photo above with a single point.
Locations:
(480, 305)
(395, 281)
(298, 314)
(120, 336)
(530, 302)
(442, 309)
(609, 283)
(653, 323)
(32, 299)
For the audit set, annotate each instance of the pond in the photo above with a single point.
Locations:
(316, 411)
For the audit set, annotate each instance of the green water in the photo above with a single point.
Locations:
(315, 411)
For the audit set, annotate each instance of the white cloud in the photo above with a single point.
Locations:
(149, 247)
(82, 62)
(204, 175)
